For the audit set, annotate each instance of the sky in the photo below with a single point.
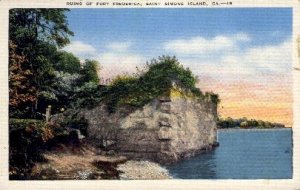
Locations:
(243, 54)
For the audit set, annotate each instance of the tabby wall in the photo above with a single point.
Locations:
(165, 130)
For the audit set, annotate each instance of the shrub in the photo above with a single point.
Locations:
(15, 124)
(88, 95)
(76, 123)
(28, 138)
(155, 80)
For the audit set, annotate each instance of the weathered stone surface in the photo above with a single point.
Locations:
(164, 130)
(164, 124)
(166, 107)
(161, 131)
(165, 133)
(164, 99)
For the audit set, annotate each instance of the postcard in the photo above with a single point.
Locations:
(150, 94)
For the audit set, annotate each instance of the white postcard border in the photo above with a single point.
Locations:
(294, 183)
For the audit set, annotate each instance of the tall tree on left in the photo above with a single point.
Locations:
(35, 34)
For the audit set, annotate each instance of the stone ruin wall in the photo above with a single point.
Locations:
(166, 130)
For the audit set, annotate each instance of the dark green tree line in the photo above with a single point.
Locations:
(52, 76)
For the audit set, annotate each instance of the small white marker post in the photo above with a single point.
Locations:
(48, 113)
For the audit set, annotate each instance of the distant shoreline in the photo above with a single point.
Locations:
(244, 123)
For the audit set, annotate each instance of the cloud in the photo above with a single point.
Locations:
(226, 56)
(241, 37)
(119, 46)
(118, 59)
(255, 60)
(250, 79)
(114, 63)
(275, 58)
(81, 49)
(115, 58)
(201, 45)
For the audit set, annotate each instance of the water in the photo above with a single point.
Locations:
(243, 154)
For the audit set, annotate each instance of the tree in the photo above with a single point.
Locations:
(89, 71)
(87, 95)
(164, 70)
(61, 92)
(37, 33)
(66, 62)
(33, 25)
(20, 91)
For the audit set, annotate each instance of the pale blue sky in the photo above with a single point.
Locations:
(243, 54)
(200, 38)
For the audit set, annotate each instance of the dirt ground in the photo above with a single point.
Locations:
(85, 163)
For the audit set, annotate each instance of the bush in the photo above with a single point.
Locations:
(163, 71)
(75, 123)
(155, 80)
(15, 124)
(28, 138)
(88, 95)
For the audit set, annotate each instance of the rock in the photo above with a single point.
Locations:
(165, 130)
(216, 144)
(111, 153)
(164, 133)
(166, 107)
(142, 170)
(83, 174)
(164, 124)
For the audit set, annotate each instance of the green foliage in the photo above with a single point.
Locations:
(40, 74)
(47, 25)
(28, 138)
(163, 71)
(66, 62)
(16, 124)
(88, 92)
(89, 71)
(61, 91)
(155, 80)
(88, 95)
(76, 123)
(244, 123)
(122, 91)
(36, 35)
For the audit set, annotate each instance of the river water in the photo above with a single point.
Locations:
(242, 154)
